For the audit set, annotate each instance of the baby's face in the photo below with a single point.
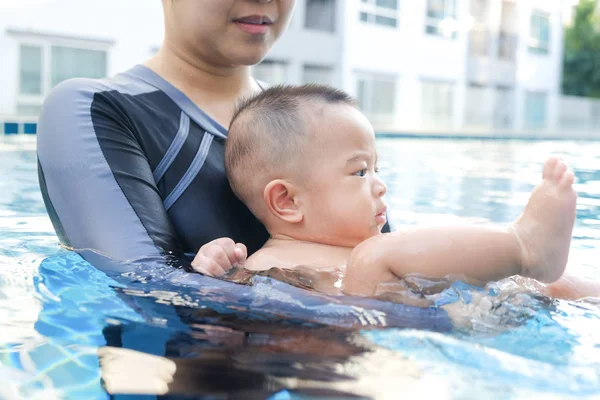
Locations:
(343, 201)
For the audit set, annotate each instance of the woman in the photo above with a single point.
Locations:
(131, 167)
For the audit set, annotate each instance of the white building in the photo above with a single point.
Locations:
(415, 65)
(442, 65)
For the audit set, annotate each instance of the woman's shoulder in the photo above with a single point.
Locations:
(72, 103)
(80, 89)
(81, 110)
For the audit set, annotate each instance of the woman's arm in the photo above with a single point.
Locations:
(97, 184)
(99, 189)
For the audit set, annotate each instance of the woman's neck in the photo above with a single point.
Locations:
(199, 78)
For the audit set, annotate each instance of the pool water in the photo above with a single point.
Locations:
(271, 341)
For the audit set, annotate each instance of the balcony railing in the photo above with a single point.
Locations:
(480, 43)
(507, 46)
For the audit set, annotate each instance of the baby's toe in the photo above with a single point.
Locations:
(567, 179)
(559, 170)
(549, 167)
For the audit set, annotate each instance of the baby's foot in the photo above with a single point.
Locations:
(544, 229)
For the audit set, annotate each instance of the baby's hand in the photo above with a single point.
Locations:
(219, 256)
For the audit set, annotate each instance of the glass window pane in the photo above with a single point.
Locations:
(320, 14)
(364, 16)
(436, 9)
(441, 18)
(503, 108)
(391, 4)
(544, 30)
(539, 40)
(450, 11)
(384, 93)
(437, 99)
(361, 95)
(318, 74)
(30, 81)
(432, 30)
(70, 63)
(386, 21)
(270, 71)
(376, 94)
(535, 110)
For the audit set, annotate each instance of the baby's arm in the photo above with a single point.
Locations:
(481, 253)
(535, 246)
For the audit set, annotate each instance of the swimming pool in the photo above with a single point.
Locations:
(56, 314)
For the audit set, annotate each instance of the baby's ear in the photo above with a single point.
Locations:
(280, 198)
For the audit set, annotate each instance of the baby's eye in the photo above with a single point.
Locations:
(362, 172)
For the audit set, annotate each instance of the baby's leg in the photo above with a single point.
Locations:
(536, 245)
(545, 228)
(571, 287)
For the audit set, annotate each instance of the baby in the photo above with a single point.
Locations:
(304, 160)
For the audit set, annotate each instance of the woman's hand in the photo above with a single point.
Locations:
(219, 256)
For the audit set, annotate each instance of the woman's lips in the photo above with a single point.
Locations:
(254, 24)
(252, 29)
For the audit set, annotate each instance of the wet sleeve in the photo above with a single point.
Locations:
(97, 184)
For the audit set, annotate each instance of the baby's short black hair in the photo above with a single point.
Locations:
(270, 132)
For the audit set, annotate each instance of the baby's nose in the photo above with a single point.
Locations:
(380, 187)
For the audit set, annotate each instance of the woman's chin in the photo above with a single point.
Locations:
(249, 57)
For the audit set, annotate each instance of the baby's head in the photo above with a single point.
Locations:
(303, 159)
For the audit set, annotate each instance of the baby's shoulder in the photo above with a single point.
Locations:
(270, 257)
(291, 255)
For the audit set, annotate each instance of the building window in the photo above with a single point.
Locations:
(67, 63)
(535, 110)
(539, 37)
(437, 100)
(380, 12)
(480, 10)
(320, 15)
(30, 82)
(504, 104)
(507, 37)
(376, 93)
(317, 74)
(271, 71)
(478, 105)
(441, 18)
(479, 42)
(479, 36)
(507, 46)
(45, 61)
